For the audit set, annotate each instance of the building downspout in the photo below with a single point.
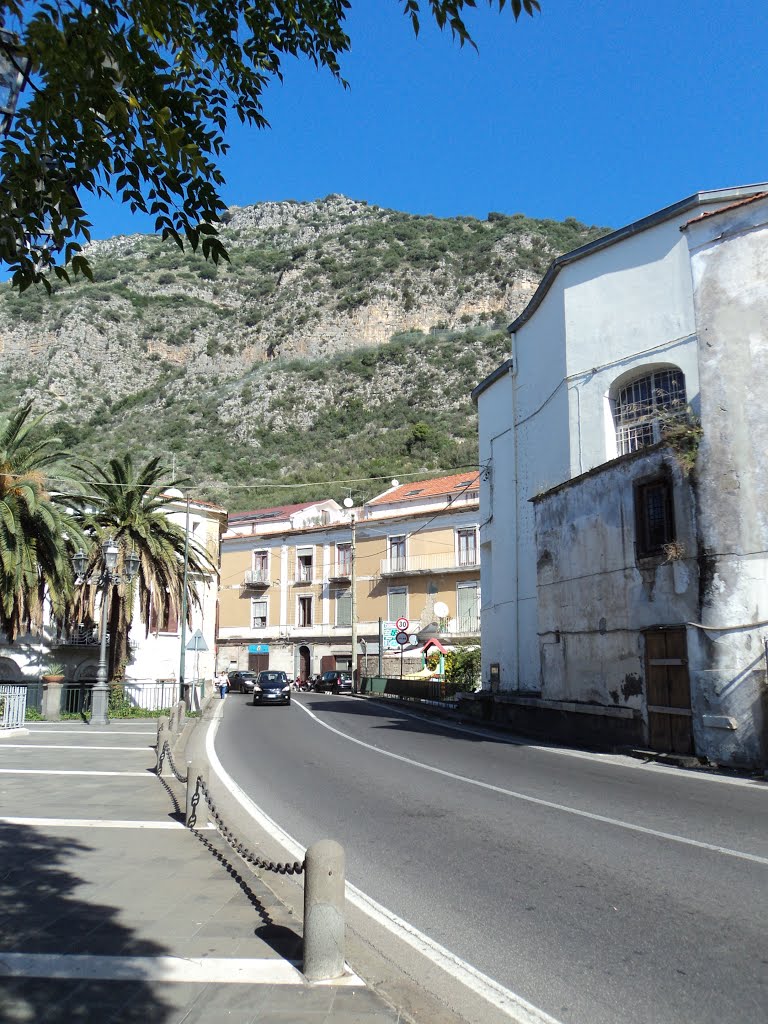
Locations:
(512, 374)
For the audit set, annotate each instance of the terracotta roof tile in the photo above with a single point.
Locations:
(418, 489)
(279, 512)
(724, 209)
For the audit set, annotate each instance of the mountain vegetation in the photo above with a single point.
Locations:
(340, 343)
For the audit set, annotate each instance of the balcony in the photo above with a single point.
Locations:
(255, 579)
(341, 574)
(80, 636)
(421, 565)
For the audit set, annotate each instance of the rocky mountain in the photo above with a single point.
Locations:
(341, 340)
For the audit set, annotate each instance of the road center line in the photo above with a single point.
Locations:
(616, 822)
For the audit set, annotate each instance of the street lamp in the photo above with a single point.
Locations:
(106, 579)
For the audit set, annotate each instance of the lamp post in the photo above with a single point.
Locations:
(353, 587)
(106, 579)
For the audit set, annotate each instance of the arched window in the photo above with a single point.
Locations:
(640, 406)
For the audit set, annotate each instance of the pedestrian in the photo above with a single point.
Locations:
(223, 684)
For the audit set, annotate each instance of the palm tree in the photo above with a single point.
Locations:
(130, 505)
(37, 535)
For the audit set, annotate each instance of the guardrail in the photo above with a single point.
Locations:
(323, 867)
(13, 705)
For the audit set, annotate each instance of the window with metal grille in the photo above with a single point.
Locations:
(641, 404)
(654, 512)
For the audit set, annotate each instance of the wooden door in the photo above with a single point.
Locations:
(258, 662)
(668, 691)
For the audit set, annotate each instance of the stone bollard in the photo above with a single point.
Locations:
(324, 885)
(196, 769)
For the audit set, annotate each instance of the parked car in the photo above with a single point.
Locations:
(241, 681)
(335, 681)
(272, 688)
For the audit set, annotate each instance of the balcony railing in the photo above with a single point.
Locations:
(256, 578)
(80, 636)
(447, 561)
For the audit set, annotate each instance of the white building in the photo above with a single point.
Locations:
(668, 311)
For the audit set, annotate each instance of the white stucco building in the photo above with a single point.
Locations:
(592, 537)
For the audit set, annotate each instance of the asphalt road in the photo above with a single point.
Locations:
(597, 888)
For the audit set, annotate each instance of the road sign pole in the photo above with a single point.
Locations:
(381, 648)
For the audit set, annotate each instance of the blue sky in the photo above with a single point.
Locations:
(604, 111)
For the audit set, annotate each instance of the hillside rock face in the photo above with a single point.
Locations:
(305, 280)
(340, 338)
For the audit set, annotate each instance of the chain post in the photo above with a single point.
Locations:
(324, 887)
(163, 735)
(197, 808)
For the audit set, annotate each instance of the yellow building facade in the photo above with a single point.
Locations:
(287, 579)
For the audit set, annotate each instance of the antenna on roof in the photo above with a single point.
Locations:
(395, 483)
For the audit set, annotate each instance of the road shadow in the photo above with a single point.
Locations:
(41, 913)
(409, 719)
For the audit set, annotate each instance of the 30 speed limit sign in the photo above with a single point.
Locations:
(402, 625)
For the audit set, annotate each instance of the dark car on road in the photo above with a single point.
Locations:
(272, 688)
(242, 681)
(335, 682)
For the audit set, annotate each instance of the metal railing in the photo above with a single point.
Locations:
(447, 561)
(151, 696)
(256, 578)
(13, 705)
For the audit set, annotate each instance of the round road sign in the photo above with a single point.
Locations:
(402, 638)
(402, 624)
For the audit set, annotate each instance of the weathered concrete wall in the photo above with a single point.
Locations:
(594, 595)
(729, 262)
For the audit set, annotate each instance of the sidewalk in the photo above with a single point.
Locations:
(112, 911)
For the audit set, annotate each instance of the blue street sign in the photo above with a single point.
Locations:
(258, 648)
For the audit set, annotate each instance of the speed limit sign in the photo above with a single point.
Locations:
(402, 625)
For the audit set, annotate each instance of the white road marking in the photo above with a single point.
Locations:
(91, 823)
(63, 746)
(43, 728)
(514, 1006)
(46, 771)
(206, 970)
(611, 760)
(604, 819)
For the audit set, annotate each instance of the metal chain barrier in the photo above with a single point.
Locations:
(166, 751)
(248, 855)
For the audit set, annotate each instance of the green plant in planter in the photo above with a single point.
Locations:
(54, 669)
